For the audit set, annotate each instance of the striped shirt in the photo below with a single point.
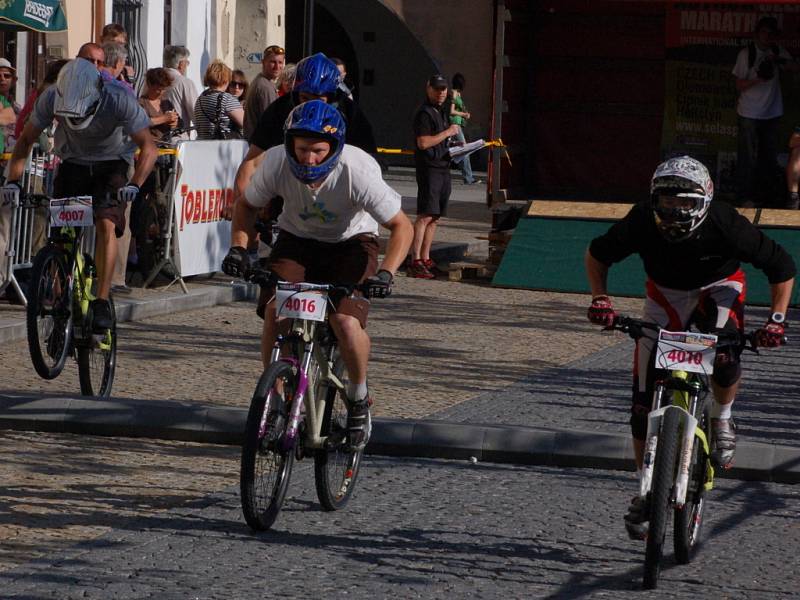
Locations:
(205, 114)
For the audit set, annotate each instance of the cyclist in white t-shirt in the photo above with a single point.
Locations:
(760, 108)
(334, 200)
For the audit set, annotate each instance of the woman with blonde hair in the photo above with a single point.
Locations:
(285, 80)
(217, 114)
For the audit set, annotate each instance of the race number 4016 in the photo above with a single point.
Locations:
(301, 305)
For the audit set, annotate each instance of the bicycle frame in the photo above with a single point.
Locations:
(685, 392)
(304, 331)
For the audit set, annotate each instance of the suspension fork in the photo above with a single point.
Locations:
(290, 439)
(651, 441)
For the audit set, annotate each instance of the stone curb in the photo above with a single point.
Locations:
(184, 421)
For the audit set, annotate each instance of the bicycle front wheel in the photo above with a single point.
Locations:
(97, 360)
(49, 313)
(663, 477)
(688, 520)
(335, 465)
(266, 466)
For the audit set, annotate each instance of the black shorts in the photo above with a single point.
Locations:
(299, 259)
(433, 191)
(101, 181)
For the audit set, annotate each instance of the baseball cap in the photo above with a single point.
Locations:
(4, 64)
(437, 81)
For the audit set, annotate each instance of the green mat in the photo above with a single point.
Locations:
(547, 254)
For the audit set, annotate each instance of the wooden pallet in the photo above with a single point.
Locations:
(469, 270)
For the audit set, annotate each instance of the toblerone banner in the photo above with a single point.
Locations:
(203, 188)
(703, 40)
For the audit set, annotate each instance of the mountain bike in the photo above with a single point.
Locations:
(59, 315)
(299, 407)
(677, 469)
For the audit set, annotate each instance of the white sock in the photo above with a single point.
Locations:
(356, 391)
(721, 411)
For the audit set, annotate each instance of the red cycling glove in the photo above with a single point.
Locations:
(771, 335)
(602, 312)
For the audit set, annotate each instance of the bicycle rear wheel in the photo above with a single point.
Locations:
(689, 519)
(97, 359)
(336, 465)
(49, 312)
(663, 477)
(265, 466)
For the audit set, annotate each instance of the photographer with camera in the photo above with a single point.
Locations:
(760, 108)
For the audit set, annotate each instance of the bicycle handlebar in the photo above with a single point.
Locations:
(265, 278)
(725, 337)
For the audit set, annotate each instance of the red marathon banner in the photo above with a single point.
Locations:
(704, 40)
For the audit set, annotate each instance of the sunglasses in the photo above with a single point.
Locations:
(6, 76)
(239, 84)
(274, 50)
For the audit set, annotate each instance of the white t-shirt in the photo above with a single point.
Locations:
(762, 101)
(353, 199)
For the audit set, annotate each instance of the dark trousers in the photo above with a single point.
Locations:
(756, 159)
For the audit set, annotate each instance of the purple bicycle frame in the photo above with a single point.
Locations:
(290, 439)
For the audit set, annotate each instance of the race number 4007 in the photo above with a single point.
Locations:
(71, 212)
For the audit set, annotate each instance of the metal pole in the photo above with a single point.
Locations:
(494, 196)
(308, 28)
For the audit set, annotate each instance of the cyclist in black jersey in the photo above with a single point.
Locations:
(691, 248)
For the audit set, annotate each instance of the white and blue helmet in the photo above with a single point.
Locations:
(684, 177)
(78, 88)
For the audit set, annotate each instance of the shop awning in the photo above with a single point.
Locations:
(37, 15)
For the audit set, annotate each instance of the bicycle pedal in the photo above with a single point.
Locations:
(336, 440)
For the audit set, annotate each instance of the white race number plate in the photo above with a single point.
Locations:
(686, 351)
(301, 305)
(72, 212)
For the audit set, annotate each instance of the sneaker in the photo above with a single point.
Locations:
(723, 442)
(359, 424)
(792, 201)
(636, 520)
(101, 316)
(419, 270)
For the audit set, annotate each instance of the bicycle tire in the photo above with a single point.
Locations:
(263, 487)
(661, 490)
(97, 360)
(688, 520)
(49, 313)
(335, 466)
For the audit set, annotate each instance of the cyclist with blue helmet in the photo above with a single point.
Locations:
(334, 200)
(316, 78)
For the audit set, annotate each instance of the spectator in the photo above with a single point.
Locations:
(217, 114)
(238, 85)
(93, 53)
(10, 109)
(432, 130)
(114, 64)
(163, 116)
(51, 73)
(343, 70)
(286, 79)
(116, 34)
(263, 90)
(459, 116)
(760, 108)
(182, 92)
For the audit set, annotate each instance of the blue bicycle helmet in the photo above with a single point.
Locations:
(318, 120)
(317, 75)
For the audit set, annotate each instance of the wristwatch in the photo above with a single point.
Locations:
(777, 317)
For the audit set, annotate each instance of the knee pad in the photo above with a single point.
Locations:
(727, 369)
(639, 410)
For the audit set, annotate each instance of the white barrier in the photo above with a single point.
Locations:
(203, 187)
(25, 224)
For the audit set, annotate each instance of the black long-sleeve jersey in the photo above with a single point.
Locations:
(723, 241)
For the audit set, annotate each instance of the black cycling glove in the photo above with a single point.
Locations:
(236, 263)
(379, 285)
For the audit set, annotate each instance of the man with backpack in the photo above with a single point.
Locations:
(760, 108)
